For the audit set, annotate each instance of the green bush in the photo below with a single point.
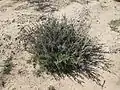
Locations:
(8, 65)
(114, 25)
(44, 5)
(61, 51)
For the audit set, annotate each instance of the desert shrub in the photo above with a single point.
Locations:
(117, 0)
(51, 87)
(8, 65)
(6, 69)
(61, 51)
(114, 25)
(43, 5)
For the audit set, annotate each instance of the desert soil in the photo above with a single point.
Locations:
(15, 14)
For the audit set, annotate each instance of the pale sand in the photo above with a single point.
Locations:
(14, 15)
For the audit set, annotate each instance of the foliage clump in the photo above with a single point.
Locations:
(8, 65)
(114, 25)
(61, 51)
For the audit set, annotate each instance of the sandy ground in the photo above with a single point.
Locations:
(14, 15)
